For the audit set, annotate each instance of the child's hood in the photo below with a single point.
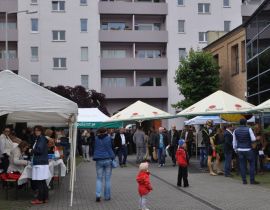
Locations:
(142, 175)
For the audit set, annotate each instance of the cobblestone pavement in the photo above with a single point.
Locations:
(204, 193)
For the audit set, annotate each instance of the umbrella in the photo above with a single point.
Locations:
(264, 107)
(140, 111)
(216, 104)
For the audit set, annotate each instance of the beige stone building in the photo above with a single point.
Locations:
(229, 51)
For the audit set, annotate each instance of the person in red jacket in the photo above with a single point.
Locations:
(144, 185)
(182, 160)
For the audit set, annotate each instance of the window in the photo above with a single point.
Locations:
(58, 6)
(148, 81)
(202, 37)
(84, 81)
(34, 78)
(114, 82)
(148, 27)
(148, 54)
(234, 60)
(182, 53)
(226, 3)
(34, 1)
(83, 25)
(12, 54)
(59, 35)
(181, 26)
(83, 2)
(10, 25)
(113, 53)
(227, 26)
(34, 53)
(59, 63)
(34, 24)
(203, 8)
(113, 26)
(180, 2)
(84, 53)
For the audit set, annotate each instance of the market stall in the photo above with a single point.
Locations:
(25, 101)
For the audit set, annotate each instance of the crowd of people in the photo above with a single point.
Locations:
(31, 147)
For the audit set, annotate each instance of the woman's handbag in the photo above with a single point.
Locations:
(115, 163)
(155, 157)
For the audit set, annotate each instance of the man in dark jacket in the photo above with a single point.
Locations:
(228, 150)
(243, 138)
(120, 145)
(173, 138)
(160, 144)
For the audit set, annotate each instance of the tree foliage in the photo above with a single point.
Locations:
(196, 77)
(84, 98)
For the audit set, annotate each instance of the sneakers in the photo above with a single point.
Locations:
(160, 165)
(97, 199)
(36, 202)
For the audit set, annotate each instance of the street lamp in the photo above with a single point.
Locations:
(6, 29)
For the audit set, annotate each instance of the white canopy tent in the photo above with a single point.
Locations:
(140, 111)
(263, 107)
(25, 101)
(216, 104)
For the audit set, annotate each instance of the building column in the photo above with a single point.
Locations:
(134, 50)
(133, 22)
(134, 78)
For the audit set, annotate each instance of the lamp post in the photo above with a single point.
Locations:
(6, 30)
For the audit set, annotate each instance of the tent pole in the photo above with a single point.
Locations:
(71, 153)
(74, 158)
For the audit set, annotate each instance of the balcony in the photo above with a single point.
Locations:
(12, 35)
(122, 7)
(12, 63)
(133, 36)
(135, 92)
(134, 63)
(8, 5)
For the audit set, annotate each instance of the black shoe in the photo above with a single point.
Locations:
(229, 175)
(107, 199)
(179, 185)
(97, 199)
(186, 185)
(254, 182)
(174, 165)
(244, 182)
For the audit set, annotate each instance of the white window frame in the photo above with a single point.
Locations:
(181, 5)
(229, 22)
(34, 2)
(84, 57)
(204, 37)
(203, 8)
(58, 35)
(58, 6)
(60, 61)
(81, 21)
(153, 53)
(34, 57)
(83, 4)
(184, 23)
(111, 53)
(85, 81)
(34, 78)
(183, 55)
(31, 21)
(229, 4)
(114, 82)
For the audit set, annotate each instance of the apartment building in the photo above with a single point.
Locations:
(6, 7)
(127, 49)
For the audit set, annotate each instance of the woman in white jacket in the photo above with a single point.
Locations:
(16, 160)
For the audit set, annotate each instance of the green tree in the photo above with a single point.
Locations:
(196, 77)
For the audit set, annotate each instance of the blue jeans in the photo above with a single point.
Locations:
(203, 157)
(122, 154)
(161, 155)
(243, 158)
(104, 169)
(227, 163)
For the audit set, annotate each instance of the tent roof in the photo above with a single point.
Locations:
(91, 115)
(265, 106)
(217, 103)
(140, 111)
(19, 96)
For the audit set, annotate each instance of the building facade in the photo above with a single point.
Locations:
(229, 52)
(127, 49)
(258, 54)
